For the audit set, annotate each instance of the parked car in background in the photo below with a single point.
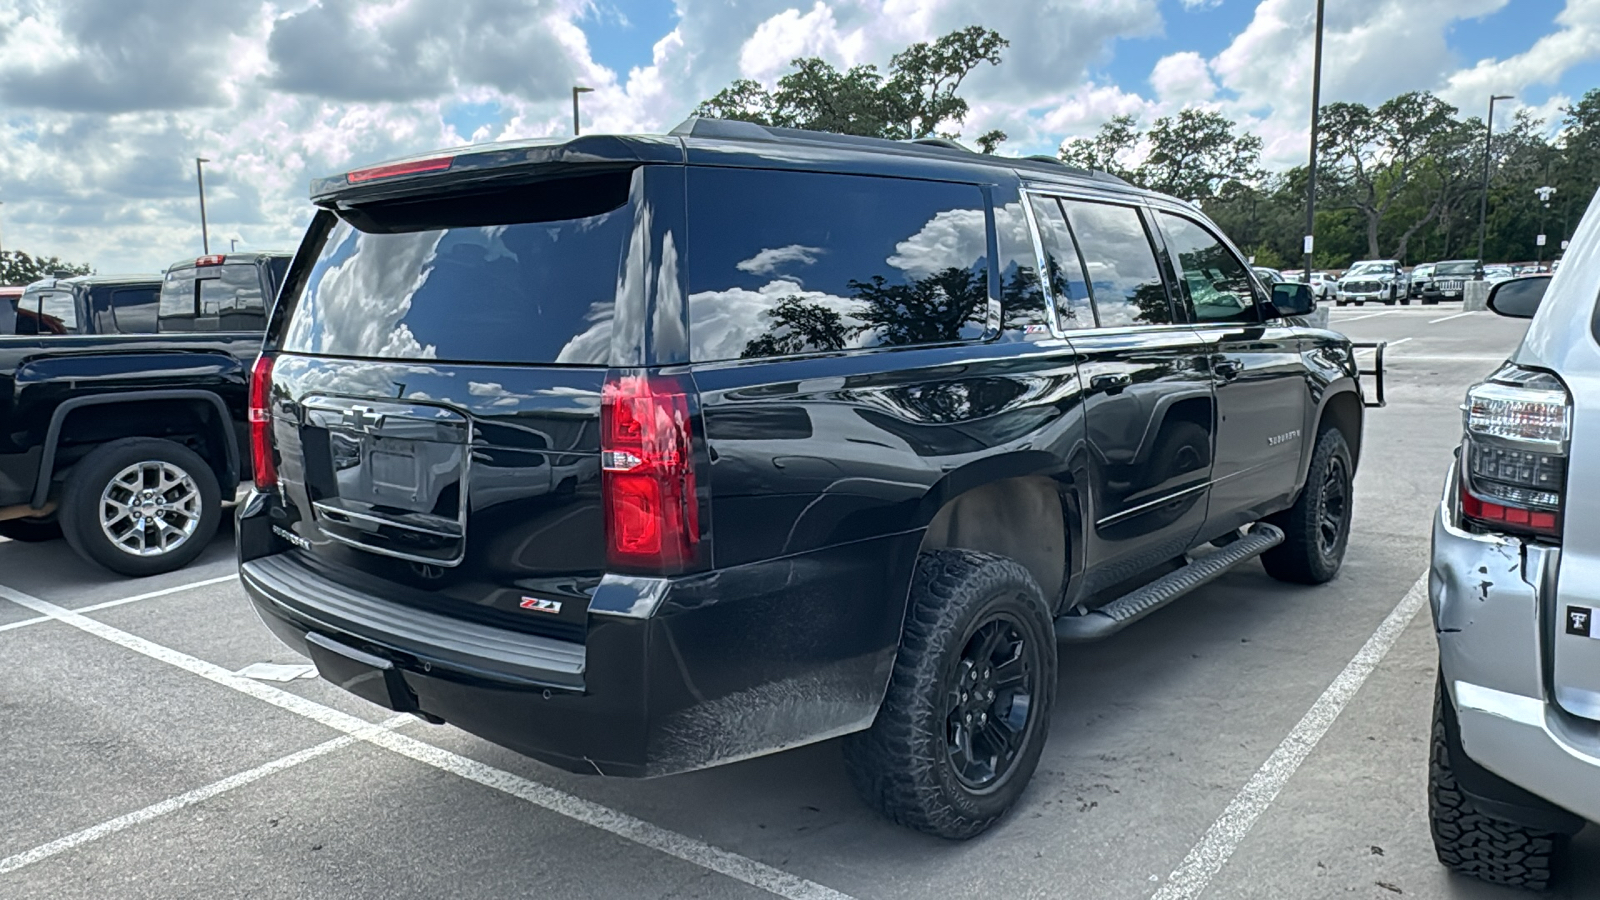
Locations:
(741, 518)
(1497, 274)
(1418, 280)
(1449, 279)
(128, 443)
(1372, 281)
(1515, 587)
(1269, 277)
(86, 304)
(1323, 286)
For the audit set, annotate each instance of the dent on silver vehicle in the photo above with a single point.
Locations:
(1515, 584)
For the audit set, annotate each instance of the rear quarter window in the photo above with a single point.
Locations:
(784, 263)
(133, 310)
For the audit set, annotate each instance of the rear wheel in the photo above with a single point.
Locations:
(1317, 528)
(1472, 843)
(141, 506)
(968, 707)
(32, 530)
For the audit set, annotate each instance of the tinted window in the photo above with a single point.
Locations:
(1067, 283)
(133, 310)
(1121, 264)
(8, 314)
(795, 262)
(177, 304)
(50, 312)
(277, 268)
(471, 279)
(1021, 294)
(233, 295)
(1217, 283)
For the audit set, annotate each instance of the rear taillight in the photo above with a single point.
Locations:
(215, 259)
(647, 462)
(265, 468)
(1514, 457)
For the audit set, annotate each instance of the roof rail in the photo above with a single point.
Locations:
(946, 143)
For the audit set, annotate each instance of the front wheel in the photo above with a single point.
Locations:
(968, 707)
(1317, 527)
(141, 506)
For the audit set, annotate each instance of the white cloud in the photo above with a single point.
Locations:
(774, 258)
(1183, 78)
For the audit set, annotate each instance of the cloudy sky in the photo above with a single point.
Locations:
(107, 102)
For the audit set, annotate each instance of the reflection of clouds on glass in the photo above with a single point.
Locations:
(770, 260)
(1011, 225)
(953, 237)
(493, 389)
(724, 321)
(592, 345)
(357, 303)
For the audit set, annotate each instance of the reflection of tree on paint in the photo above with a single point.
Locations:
(927, 310)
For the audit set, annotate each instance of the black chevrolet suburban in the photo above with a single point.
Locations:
(644, 454)
(120, 426)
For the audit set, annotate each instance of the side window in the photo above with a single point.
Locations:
(58, 313)
(1021, 294)
(797, 262)
(277, 269)
(177, 307)
(1219, 285)
(8, 314)
(1121, 264)
(1067, 283)
(134, 310)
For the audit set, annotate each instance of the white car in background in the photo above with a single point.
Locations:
(1373, 281)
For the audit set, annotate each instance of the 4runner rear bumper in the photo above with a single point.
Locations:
(1492, 600)
(672, 674)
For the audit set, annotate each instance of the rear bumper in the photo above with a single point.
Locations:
(672, 674)
(1493, 600)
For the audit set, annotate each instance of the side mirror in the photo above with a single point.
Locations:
(1291, 298)
(1519, 298)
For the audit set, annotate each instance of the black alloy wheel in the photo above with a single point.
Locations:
(1333, 520)
(1316, 529)
(989, 696)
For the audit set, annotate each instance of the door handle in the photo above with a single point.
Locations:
(1227, 369)
(1110, 383)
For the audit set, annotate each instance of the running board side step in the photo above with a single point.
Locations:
(1130, 608)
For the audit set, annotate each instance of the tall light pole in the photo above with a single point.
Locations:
(1483, 204)
(200, 176)
(1311, 172)
(1545, 193)
(575, 92)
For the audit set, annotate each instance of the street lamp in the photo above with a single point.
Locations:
(1311, 172)
(200, 176)
(1545, 193)
(575, 92)
(1483, 204)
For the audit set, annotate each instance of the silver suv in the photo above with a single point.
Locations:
(1373, 281)
(1515, 585)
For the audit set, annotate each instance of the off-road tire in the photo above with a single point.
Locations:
(1477, 845)
(31, 531)
(80, 505)
(1305, 557)
(900, 765)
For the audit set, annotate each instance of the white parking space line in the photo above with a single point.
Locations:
(1448, 318)
(724, 862)
(164, 592)
(1392, 345)
(1341, 320)
(1214, 850)
(189, 798)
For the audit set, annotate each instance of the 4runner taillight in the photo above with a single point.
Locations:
(647, 473)
(264, 467)
(1514, 457)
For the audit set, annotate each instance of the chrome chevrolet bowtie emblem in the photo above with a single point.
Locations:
(362, 418)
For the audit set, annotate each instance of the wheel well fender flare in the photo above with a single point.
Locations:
(1341, 407)
(47, 459)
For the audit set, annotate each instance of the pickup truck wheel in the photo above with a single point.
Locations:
(1317, 528)
(968, 707)
(1472, 843)
(141, 506)
(31, 531)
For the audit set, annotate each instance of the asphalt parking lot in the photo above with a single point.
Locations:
(1254, 740)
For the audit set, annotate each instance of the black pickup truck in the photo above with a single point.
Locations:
(644, 454)
(126, 442)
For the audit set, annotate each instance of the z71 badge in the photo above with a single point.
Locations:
(539, 604)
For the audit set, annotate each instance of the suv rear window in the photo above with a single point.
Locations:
(471, 278)
(213, 298)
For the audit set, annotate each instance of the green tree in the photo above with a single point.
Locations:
(18, 268)
(1114, 142)
(917, 94)
(1194, 154)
